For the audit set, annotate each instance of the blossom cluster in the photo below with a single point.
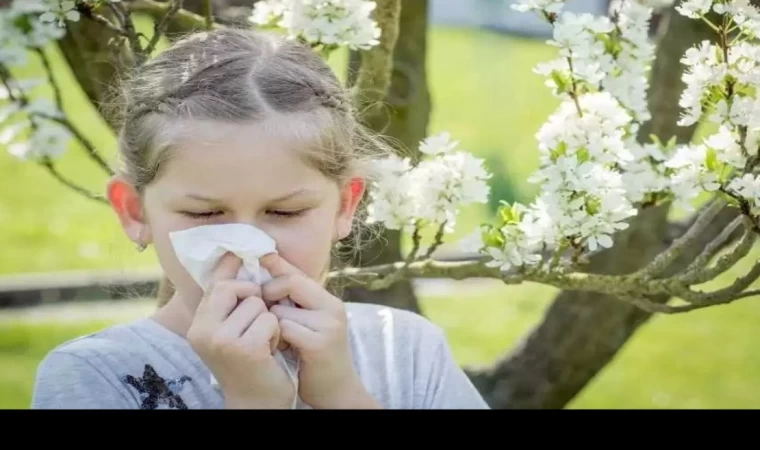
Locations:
(28, 126)
(595, 172)
(322, 22)
(405, 195)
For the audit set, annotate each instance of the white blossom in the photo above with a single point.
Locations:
(691, 174)
(49, 140)
(550, 6)
(599, 131)
(438, 144)
(694, 9)
(59, 11)
(431, 191)
(646, 174)
(628, 79)
(328, 22)
(743, 13)
(748, 187)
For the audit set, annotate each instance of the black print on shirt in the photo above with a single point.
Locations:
(156, 391)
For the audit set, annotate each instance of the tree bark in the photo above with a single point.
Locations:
(85, 47)
(406, 120)
(581, 332)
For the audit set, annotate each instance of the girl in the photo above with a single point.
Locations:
(238, 126)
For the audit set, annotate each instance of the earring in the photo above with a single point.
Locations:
(141, 247)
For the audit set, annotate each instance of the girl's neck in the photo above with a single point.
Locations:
(177, 314)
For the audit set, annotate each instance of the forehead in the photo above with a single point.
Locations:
(226, 160)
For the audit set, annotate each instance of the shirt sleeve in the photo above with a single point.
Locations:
(449, 387)
(66, 380)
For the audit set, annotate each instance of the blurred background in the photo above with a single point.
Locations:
(483, 91)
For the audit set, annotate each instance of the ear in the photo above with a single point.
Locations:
(351, 194)
(127, 203)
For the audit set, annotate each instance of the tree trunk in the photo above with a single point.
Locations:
(406, 121)
(85, 47)
(581, 332)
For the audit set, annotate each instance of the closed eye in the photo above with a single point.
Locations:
(200, 215)
(286, 213)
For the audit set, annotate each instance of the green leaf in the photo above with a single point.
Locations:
(560, 80)
(583, 155)
(559, 151)
(711, 160)
(492, 236)
(671, 143)
(593, 205)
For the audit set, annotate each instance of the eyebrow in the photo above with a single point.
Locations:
(278, 199)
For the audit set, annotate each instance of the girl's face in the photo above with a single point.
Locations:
(239, 174)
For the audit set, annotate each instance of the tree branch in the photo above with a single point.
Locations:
(125, 17)
(666, 258)
(105, 22)
(739, 251)
(89, 147)
(631, 287)
(160, 26)
(70, 184)
(182, 19)
(208, 12)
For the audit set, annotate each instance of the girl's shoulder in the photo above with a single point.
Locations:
(134, 365)
(375, 324)
(405, 360)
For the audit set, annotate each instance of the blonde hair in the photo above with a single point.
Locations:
(238, 76)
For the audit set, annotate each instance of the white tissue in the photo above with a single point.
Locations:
(199, 250)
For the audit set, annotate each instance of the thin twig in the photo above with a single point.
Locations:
(53, 171)
(724, 294)
(714, 246)
(5, 76)
(92, 152)
(416, 240)
(107, 23)
(125, 16)
(725, 262)
(208, 12)
(438, 240)
(86, 143)
(650, 306)
(184, 20)
(159, 28)
(51, 78)
(664, 259)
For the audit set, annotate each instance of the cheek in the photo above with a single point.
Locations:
(305, 244)
(161, 224)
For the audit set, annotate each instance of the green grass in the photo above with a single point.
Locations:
(486, 95)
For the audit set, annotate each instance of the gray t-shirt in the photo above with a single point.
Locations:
(403, 359)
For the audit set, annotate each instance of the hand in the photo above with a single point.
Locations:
(236, 337)
(318, 332)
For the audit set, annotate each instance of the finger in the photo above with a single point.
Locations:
(296, 334)
(313, 320)
(277, 266)
(242, 317)
(302, 290)
(266, 328)
(222, 300)
(226, 269)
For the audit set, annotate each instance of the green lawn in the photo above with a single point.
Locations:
(486, 95)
